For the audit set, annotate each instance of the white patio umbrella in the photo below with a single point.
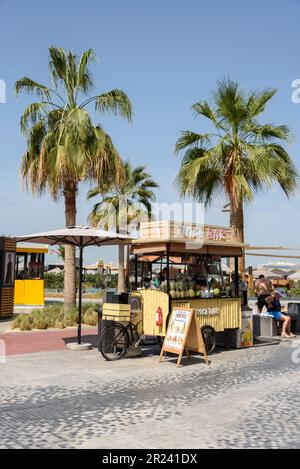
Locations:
(56, 270)
(80, 237)
(295, 276)
(225, 268)
(266, 273)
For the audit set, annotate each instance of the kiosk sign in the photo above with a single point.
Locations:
(176, 331)
(183, 334)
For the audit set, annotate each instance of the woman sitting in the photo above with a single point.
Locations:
(274, 309)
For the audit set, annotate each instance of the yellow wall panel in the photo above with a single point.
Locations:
(29, 292)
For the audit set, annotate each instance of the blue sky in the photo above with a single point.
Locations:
(166, 55)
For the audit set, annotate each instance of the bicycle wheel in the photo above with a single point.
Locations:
(209, 335)
(114, 342)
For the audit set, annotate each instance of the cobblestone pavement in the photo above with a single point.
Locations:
(244, 399)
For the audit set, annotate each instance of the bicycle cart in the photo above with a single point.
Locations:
(191, 276)
(117, 337)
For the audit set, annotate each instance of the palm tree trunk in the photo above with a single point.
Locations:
(121, 276)
(70, 264)
(237, 226)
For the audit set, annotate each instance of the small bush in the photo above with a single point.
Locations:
(25, 322)
(17, 321)
(38, 320)
(71, 317)
(54, 316)
(295, 291)
(90, 317)
(89, 306)
(59, 324)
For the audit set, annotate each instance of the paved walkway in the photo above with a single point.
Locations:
(65, 399)
(5, 325)
(45, 341)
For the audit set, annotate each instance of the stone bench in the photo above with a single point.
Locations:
(264, 326)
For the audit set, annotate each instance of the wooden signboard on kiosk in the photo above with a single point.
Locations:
(183, 334)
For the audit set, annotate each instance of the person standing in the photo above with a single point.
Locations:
(243, 288)
(263, 288)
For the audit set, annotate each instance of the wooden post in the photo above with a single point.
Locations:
(236, 276)
(80, 290)
(168, 269)
(136, 271)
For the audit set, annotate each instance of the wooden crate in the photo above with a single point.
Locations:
(116, 312)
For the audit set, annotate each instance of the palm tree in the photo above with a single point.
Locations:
(60, 252)
(124, 204)
(64, 148)
(240, 157)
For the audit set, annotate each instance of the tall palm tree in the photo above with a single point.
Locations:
(240, 157)
(64, 148)
(122, 205)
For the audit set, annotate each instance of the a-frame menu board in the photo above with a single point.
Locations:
(183, 333)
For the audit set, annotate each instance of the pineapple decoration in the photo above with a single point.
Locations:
(172, 289)
(185, 289)
(181, 288)
(191, 290)
(177, 287)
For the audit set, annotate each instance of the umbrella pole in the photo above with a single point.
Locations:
(80, 291)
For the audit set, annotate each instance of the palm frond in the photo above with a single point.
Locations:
(257, 101)
(57, 64)
(116, 102)
(84, 77)
(192, 139)
(32, 87)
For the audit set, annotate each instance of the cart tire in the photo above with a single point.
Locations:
(114, 342)
(160, 341)
(210, 339)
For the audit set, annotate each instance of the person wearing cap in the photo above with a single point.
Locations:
(274, 309)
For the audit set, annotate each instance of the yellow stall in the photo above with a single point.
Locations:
(181, 266)
(188, 262)
(29, 276)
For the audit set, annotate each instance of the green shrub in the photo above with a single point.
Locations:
(38, 319)
(71, 317)
(90, 317)
(54, 316)
(26, 322)
(54, 281)
(40, 323)
(17, 321)
(295, 291)
(59, 324)
(89, 306)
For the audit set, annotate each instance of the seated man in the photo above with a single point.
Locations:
(274, 309)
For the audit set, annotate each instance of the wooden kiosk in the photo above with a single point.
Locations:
(188, 276)
(196, 252)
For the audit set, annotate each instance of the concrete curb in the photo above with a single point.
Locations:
(78, 347)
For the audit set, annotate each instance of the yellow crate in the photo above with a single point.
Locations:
(116, 312)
